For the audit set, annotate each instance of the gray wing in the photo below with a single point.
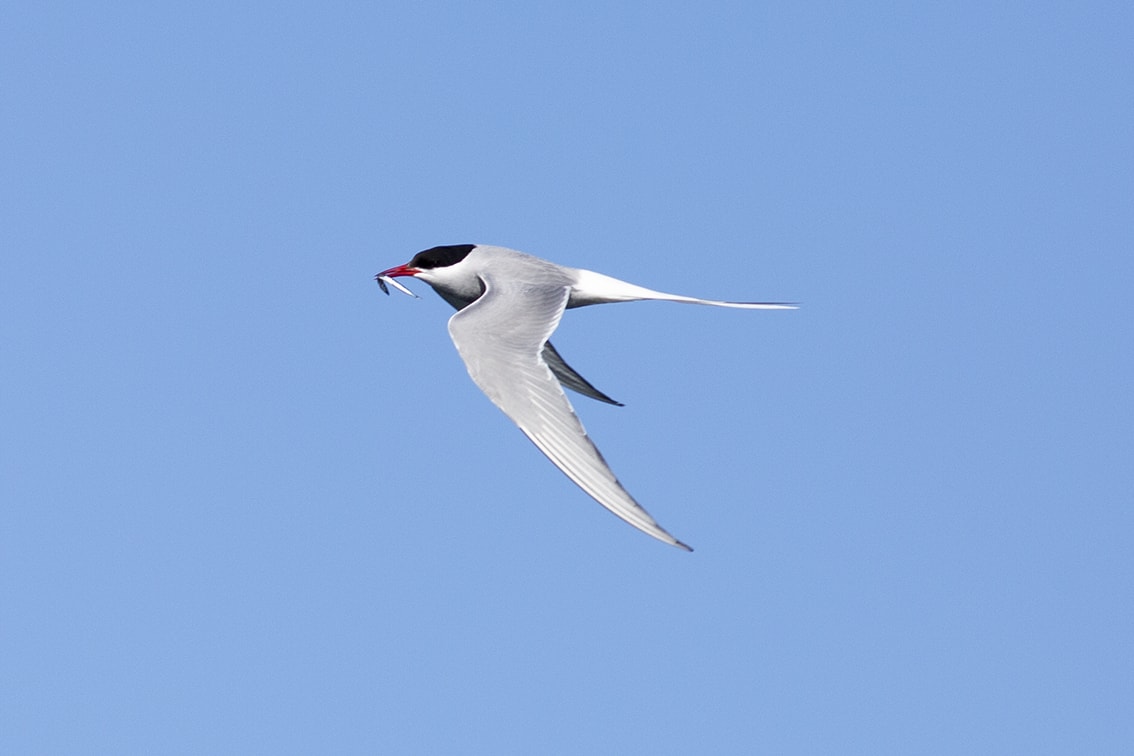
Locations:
(572, 380)
(501, 338)
(564, 372)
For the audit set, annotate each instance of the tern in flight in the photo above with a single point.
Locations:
(508, 304)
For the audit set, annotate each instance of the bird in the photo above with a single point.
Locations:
(508, 304)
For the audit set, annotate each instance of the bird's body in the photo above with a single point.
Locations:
(508, 304)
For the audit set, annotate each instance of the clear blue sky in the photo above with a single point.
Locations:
(251, 505)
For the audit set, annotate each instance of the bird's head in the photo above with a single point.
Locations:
(437, 266)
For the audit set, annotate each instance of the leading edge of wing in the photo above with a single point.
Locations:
(503, 354)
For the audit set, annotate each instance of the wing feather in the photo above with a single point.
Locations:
(571, 379)
(501, 338)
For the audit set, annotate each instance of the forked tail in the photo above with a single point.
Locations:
(596, 288)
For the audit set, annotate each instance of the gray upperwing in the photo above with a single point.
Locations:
(564, 372)
(572, 380)
(504, 358)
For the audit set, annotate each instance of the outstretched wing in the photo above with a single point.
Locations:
(501, 337)
(564, 372)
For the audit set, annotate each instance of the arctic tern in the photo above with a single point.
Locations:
(508, 304)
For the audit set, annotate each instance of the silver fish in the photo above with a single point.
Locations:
(383, 280)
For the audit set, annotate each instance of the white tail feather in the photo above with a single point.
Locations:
(595, 288)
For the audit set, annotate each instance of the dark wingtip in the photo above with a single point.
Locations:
(685, 546)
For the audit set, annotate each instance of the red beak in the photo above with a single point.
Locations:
(399, 270)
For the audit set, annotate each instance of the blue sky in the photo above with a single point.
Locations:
(251, 505)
